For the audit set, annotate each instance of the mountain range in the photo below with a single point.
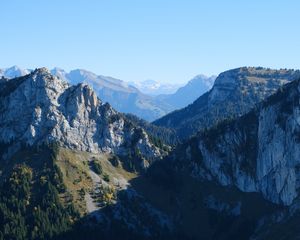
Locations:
(126, 97)
(72, 167)
(154, 88)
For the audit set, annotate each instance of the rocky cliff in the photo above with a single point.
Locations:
(40, 107)
(258, 152)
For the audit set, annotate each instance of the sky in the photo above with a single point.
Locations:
(165, 40)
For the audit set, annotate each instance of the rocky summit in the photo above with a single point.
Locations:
(39, 108)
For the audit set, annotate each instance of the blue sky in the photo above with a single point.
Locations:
(165, 40)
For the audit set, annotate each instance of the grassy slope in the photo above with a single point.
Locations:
(75, 167)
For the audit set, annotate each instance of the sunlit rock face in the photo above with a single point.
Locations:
(258, 152)
(40, 107)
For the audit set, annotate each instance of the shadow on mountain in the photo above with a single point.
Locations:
(167, 204)
(163, 203)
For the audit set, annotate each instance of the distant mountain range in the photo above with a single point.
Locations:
(13, 72)
(154, 88)
(142, 99)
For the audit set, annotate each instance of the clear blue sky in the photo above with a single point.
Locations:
(165, 40)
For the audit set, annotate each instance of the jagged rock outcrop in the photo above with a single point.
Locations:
(121, 95)
(234, 93)
(40, 107)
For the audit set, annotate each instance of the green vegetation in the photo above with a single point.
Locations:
(106, 177)
(106, 195)
(30, 206)
(115, 161)
(75, 171)
(97, 167)
(131, 161)
(166, 136)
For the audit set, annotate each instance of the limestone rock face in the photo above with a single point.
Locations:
(40, 107)
(258, 152)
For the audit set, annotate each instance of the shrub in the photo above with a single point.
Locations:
(97, 167)
(106, 177)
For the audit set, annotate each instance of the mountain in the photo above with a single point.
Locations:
(148, 100)
(13, 72)
(65, 157)
(234, 93)
(245, 170)
(121, 95)
(161, 135)
(154, 88)
(54, 111)
(257, 152)
(190, 92)
(72, 167)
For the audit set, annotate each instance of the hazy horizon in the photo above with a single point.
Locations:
(167, 41)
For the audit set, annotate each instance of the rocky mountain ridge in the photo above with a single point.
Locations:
(40, 107)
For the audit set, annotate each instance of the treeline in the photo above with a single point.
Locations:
(159, 135)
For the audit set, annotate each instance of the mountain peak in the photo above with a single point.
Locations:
(42, 70)
(204, 80)
(40, 108)
(13, 72)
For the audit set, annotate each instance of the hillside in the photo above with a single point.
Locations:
(65, 158)
(234, 93)
(246, 168)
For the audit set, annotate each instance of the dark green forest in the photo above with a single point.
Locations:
(30, 207)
